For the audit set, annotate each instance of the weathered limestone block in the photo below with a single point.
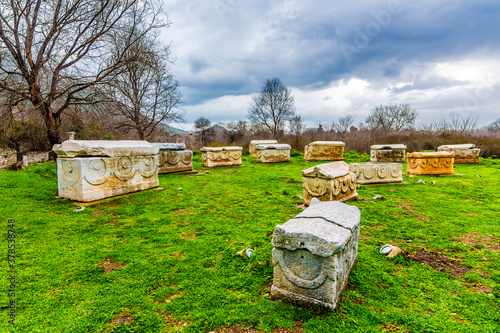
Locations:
(388, 153)
(251, 147)
(430, 163)
(324, 151)
(379, 173)
(221, 156)
(174, 158)
(273, 153)
(314, 253)
(94, 170)
(329, 182)
(465, 153)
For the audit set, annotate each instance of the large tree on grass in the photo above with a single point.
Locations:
(273, 106)
(53, 51)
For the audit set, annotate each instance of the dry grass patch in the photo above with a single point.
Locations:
(110, 266)
(476, 238)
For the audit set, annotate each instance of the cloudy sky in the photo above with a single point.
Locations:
(338, 57)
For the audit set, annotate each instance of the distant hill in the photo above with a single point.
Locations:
(173, 130)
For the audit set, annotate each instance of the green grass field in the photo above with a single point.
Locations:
(165, 260)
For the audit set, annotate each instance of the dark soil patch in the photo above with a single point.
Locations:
(110, 266)
(120, 320)
(440, 262)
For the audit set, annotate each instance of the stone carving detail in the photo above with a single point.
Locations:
(324, 151)
(329, 182)
(464, 154)
(370, 173)
(430, 163)
(173, 158)
(314, 252)
(221, 156)
(388, 153)
(273, 153)
(251, 147)
(89, 178)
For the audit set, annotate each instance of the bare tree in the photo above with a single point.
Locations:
(392, 117)
(273, 106)
(204, 130)
(495, 126)
(343, 125)
(54, 50)
(145, 94)
(235, 130)
(461, 123)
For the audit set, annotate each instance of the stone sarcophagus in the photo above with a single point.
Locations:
(465, 154)
(174, 158)
(273, 153)
(377, 173)
(388, 153)
(324, 151)
(221, 156)
(329, 182)
(430, 163)
(92, 170)
(314, 253)
(251, 147)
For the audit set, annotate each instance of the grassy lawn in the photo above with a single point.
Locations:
(164, 260)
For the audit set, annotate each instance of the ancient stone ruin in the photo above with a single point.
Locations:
(465, 153)
(251, 147)
(221, 156)
(324, 151)
(174, 158)
(388, 153)
(92, 170)
(273, 153)
(430, 163)
(314, 253)
(377, 173)
(329, 182)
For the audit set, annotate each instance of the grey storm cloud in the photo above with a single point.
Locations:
(229, 47)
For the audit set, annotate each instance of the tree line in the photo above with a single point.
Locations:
(73, 59)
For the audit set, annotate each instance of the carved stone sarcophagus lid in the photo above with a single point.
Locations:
(329, 182)
(272, 153)
(464, 153)
(377, 173)
(174, 158)
(324, 151)
(388, 153)
(314, 253)
(89, 170)
(251, 147)
(221, 156)
(430, 163)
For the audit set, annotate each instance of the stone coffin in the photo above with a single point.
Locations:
(221, 156)
(430, 163)
(377, 173)
(314, 253)
(465, 153)
(329, 182)
(273, 153)
(251, 147)
(174, 158)
(388, 153)
(92, 170)
(324, 151)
